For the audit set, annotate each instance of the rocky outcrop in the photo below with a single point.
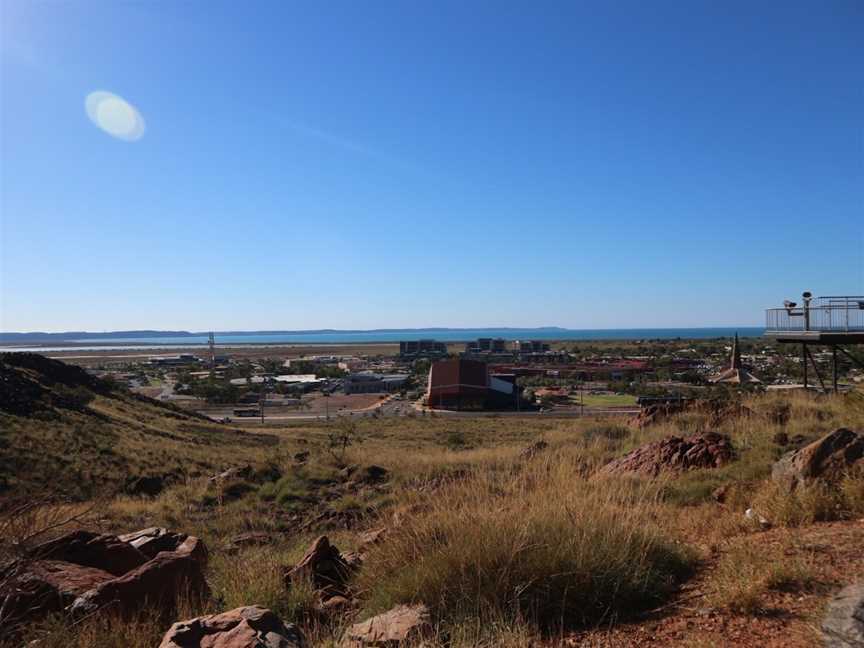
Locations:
(154, 540)
(324, 567)
(654, 414)
(674, 455)
(399, 626)
(101, 551)
(158, 583)
(828, 459)
(245, 627)
(44, 586)
(85, 571)
(843, 625)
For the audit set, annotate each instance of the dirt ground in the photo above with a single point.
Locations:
(788, 620)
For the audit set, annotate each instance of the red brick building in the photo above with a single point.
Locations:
(463, 384)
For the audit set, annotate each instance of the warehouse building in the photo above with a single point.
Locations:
(367, 382)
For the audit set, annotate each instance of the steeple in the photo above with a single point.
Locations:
(736, 354)
(736, 373)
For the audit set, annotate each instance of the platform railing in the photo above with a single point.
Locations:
(824, 314)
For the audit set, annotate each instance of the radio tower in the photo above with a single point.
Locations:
(212, 344)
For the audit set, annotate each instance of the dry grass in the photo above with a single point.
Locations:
(504, 550)
(538, 542)
(745, 576)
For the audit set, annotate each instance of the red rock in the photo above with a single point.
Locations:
(827, 459)
(31, 590)
(245, 627)
(402, 624)
(323, 566)
(674, 454)
(159, 583)
(154, 540)
(101, 551)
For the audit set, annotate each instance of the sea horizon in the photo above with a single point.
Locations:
(123, 340)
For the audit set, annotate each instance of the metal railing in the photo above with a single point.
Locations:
(823, 314)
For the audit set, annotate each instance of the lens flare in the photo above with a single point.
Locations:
(114, 115)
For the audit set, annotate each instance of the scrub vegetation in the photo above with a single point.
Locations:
(506, 548)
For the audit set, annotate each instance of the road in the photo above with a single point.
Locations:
(396, 407)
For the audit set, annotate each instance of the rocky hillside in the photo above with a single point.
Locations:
(65, 433)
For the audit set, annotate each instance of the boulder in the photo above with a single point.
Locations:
(68, 579)
(323, 566)
(843, 625)
(158, 583)
(828, 459)
(154, 540)
(101, 551)
(32, 590)
(674, 455)
(244, 627)
(402, 624)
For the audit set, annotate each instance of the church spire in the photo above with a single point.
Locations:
(736, 354)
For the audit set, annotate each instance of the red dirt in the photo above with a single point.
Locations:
(791, 619)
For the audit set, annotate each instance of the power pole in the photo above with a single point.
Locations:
(211, 342)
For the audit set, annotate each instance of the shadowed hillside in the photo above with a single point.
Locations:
(65, 433)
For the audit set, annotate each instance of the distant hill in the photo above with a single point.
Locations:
(66, 433)
(38, 336)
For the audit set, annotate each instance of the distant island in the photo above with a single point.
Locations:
(382, 335)
(39, 336)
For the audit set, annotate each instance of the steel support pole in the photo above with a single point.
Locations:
(804, 361)
(816, 369)
(834, 366)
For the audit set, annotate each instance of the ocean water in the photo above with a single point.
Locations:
(395, 335)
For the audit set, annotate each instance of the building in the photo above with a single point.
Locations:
(487, 345)
(422, 348)
(736, 374)
(464, 384)
(367, 382)
(352, 364)
(531, 346)
(174, 360)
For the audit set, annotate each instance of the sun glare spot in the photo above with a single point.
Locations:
(114, 115)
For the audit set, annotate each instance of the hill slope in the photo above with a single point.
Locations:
(65, 433)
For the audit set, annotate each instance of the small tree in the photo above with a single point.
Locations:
(341, 437)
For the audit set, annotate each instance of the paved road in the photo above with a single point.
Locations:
(397, 408)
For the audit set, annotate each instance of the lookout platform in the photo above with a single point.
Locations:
(823, 321)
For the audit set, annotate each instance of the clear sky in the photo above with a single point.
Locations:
(363, 164)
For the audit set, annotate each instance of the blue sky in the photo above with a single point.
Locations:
(399, 164)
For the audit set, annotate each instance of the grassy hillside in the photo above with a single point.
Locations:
(65, 433)
(506, 549)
